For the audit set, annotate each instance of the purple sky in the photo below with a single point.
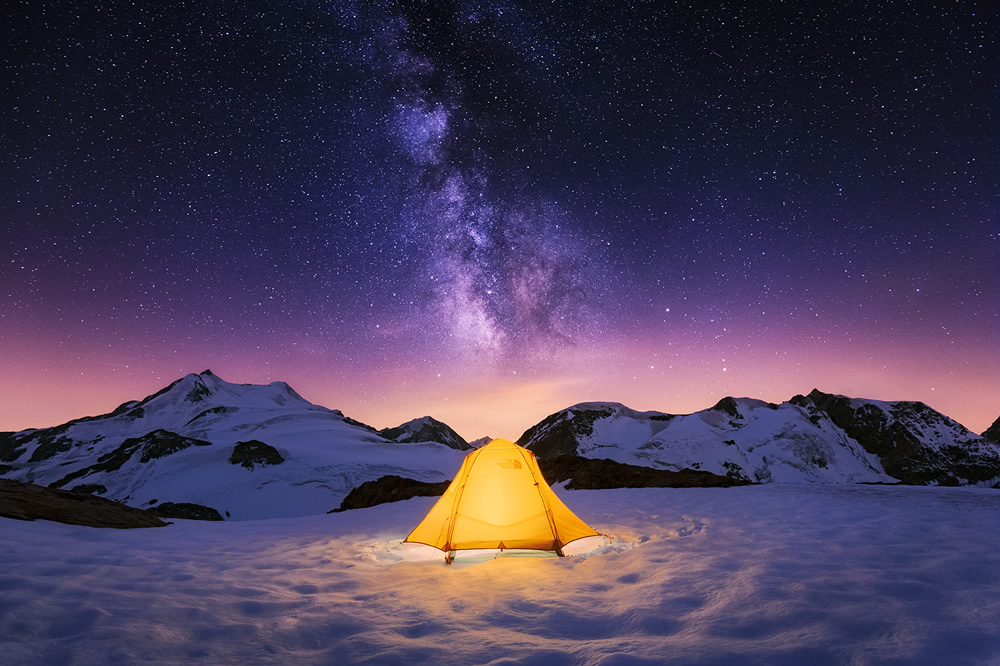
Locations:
(487, 212)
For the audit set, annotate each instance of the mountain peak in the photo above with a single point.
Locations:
(425, 429)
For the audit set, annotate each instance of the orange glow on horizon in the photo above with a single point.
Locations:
(487, 402)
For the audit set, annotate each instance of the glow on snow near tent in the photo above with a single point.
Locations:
(499, 499)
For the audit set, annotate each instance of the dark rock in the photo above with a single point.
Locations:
(186, 510)
(254, 453)
(897, 437)
(585, 473)
(197, 393)
(594, 474)
(728, 406)
(426, 429)
(135, 414)
(11, 446)
(160, 443)
(26, 501)
(213, 410)
(359, 424)
(389, 488)
(558, 433)
(154, 444)
(89, 489)
(50, 442)
(992, 434)
(736, 473)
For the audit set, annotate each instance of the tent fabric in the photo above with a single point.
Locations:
(499, 499)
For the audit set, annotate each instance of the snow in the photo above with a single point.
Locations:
(768, 443)
(325, 456)
(769, 574)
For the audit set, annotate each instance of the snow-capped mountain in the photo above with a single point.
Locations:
(252, 451)
(248, 451)
(819, 437)
(426, 429)
(915, 443)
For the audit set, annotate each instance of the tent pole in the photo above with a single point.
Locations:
(540, 479)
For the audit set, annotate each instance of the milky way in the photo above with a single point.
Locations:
(489, 211)
(507, 275)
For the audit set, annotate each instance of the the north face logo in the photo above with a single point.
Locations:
(509, 463)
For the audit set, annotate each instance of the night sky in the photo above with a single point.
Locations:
(487, 212)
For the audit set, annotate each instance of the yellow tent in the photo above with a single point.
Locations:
(499, 500)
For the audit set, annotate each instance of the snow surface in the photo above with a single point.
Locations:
(770, 574)
(765, 443)
(325, 455)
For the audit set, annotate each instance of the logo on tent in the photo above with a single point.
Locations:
(509, 463)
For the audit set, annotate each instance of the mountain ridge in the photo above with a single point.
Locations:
(258, 451)
(252, 450)
(816, 437)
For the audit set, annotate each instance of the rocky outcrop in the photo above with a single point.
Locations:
(152, 445)
(389, 488)
(599, 473)
(166, 446)
(50, 442)
(907, 438)
(582, 473)
(12, 445)
(992, 434)
(426, 429)
(819, 437)
(559, 433)
(255, 453)
(222, 409)
(160, 443)
(26, 501)
(89, 489)
(185, 510)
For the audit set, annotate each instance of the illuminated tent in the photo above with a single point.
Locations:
(499, 500)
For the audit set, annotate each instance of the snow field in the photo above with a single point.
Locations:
(775, 574)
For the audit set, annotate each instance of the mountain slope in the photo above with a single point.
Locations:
(819, 437)
(249, 451)
(426, 429)
(915, 443)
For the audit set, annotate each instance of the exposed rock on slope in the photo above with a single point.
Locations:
(152, 445)
(583, 473)
(426, 429)
(389, 488)
(193, 441)
(26, 501)
(598, 473)
(255, 453)
(186, 510)
(561, 433)
(819, 437)
(992, 434)
(914, 443)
